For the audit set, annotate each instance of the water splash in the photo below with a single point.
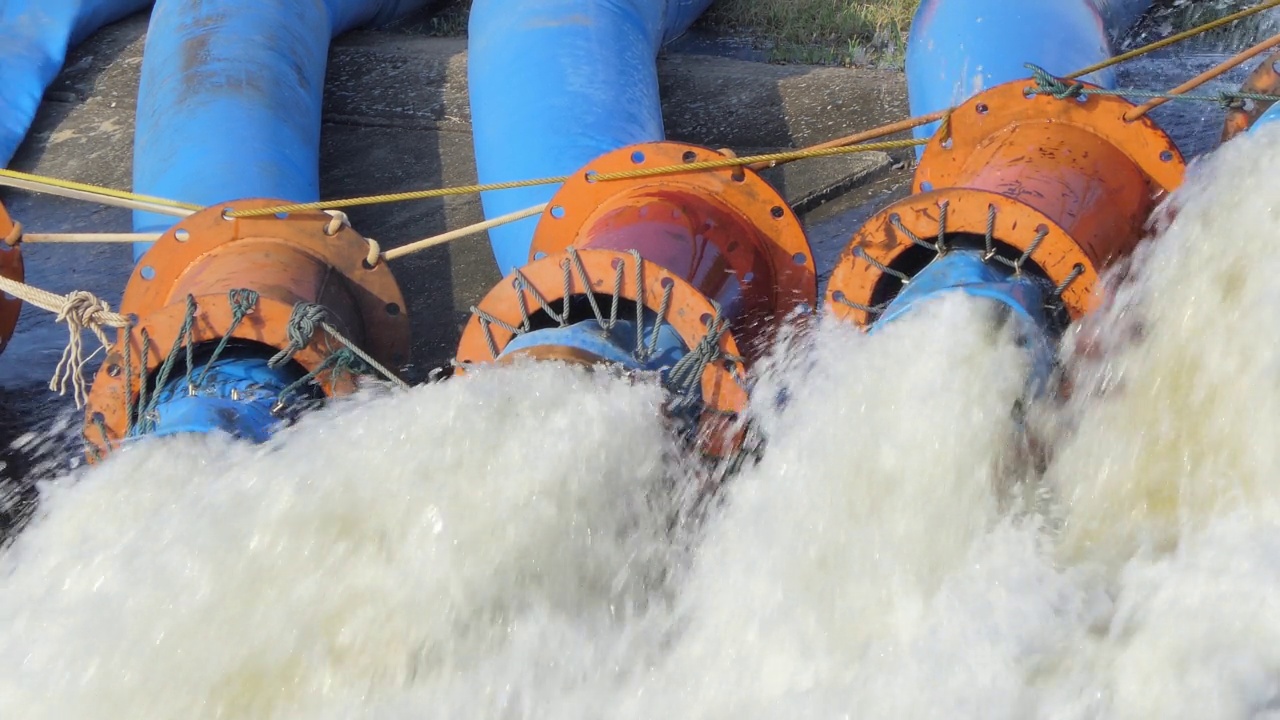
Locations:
(514, 543)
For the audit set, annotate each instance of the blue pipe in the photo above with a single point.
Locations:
(1267, 118)
(958, 48)
(35, 36)
(965, 271)
(229, 100)
(557, 83)
(615, 346)
(229, 107)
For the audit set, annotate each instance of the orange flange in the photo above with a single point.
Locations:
(707, 239)
(689, 313)
(1063, 187)
(1265, 80)
(726, 232)
(299, 258)
(11, 267)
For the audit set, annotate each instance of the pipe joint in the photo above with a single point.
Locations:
(257, 290)
(1052, 189)
(12, 268)
(1265, 80)
(709, 263)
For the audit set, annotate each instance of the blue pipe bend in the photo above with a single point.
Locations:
(959, 48)
(230, 96)
(229, 106)
(557, 83)
(35, 36)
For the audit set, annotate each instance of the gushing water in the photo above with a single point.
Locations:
(918, 540)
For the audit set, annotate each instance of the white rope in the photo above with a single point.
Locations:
(35, 186)
(90, 237)
(80, 310)
(462, 232)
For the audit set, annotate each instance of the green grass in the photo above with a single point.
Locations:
(865, 32)
(844, 32)
(814, 32)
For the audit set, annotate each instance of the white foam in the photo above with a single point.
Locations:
(509, 545)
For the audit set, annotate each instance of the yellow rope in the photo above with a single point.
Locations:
(738, 162)
(639, 172)
(766, 159)
(396, 197)
(603, 177)
(95, 189)
(1174, 39)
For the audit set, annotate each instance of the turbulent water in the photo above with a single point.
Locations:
(522, 543)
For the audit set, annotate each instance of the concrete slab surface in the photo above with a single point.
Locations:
(396, 117)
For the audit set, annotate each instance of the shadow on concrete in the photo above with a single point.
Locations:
(396, 117)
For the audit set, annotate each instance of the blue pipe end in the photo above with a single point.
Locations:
(1267, 118)
(965, 271)
(614, 346)
(236, 397)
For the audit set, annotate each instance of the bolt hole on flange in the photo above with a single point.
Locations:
(777, 212)
(689, 156)
(181, 235)
(637, 157)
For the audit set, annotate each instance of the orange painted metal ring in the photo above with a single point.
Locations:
(287, 261)
(689, 314)
(1072, 172)
(1265, 79)
(861, 281)
(978, 124)
(11, 267)
(726, 231)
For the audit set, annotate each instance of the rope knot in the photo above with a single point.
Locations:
(243, 301)
(337, 221)
(15, 235)
(303, 321)
(81, 310)
(1231, 101)
(1049, 84)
